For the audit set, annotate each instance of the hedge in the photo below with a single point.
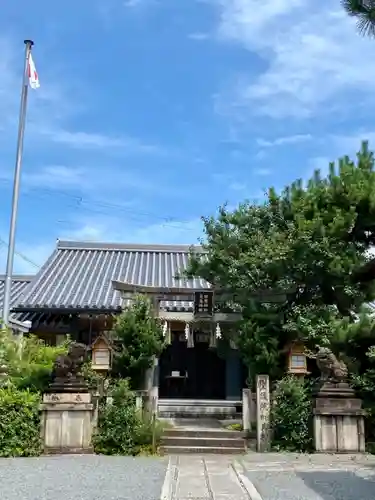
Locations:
(19, 423)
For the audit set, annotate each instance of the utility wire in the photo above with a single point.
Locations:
(84, 204)
(19, 254)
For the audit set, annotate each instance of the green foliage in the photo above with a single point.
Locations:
(121, 429)
(138, 339)
(291, 415)
(363, 381)
(287, 264)
(19, 423)
(95, 381)
(29, 361)
(234, 427)
(364, 12)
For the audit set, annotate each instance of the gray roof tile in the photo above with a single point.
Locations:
(19, 285)
(79, 275)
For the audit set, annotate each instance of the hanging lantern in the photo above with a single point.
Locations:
(233, 344)
(218, 332)
(167, 332)
(213, 341)
(101, 354)
(297, 362)
(189, 336)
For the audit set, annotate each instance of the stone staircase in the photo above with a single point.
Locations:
(190, 408)
(182, 440)
(201, 427)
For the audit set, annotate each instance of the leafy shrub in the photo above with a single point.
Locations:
(95, 381)
(291, 416)
(364, 385)
(19, 423)
(121, 428)
(138, 338)
(29, 361)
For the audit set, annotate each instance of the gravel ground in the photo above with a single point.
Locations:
(318, 459)
(289, 476)
(313, 485)
(86, 477)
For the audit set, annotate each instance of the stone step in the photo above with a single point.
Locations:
(201, 450)
(199, 402)
(204, 433)
(206, 442)
(197, 411)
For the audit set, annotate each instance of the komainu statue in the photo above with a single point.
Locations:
(331, 369)
(67, 367)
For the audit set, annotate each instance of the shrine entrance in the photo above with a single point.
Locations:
(191, 372)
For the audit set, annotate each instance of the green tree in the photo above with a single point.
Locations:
(288, 264)
(29, 361)
(138, 339)
(364, 12)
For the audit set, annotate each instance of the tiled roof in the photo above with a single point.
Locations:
(19, 285)
(79, 275)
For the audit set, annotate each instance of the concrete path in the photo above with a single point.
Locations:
(189, 477)
(213, 478)
(270, 477)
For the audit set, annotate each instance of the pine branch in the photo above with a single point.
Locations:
(364, 11)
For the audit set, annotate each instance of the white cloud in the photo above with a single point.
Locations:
(351, 144)
(85, 140)
(54, 177)
(117, 229)
(281, 141)
(312, 50)
(133, 3)
(51, 105)
(198, 36)
(30, 257)
(237, 186)
(136, 4)
(339, 146)
(263, 172)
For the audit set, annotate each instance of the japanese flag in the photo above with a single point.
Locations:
(32, 74)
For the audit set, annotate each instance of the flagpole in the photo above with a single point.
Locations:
(16, 185)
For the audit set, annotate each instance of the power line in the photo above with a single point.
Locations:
(80, 202)
(19, 254)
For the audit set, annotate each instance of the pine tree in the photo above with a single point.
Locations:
(364, 12)
(306, 244)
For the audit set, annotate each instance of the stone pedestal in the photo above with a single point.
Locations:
(66, 425)
(338, 420)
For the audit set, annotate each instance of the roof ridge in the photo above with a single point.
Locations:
(92, 245)
(19, 277)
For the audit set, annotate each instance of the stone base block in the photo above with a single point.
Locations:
(67, 422)
(339, 433)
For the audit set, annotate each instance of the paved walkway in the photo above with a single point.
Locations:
(254, 476)
(270, 477)
(200, 478)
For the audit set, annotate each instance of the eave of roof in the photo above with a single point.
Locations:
(20, 282)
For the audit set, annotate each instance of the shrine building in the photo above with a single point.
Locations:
(83, 286)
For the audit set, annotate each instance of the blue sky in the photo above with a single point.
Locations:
(153, 113)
